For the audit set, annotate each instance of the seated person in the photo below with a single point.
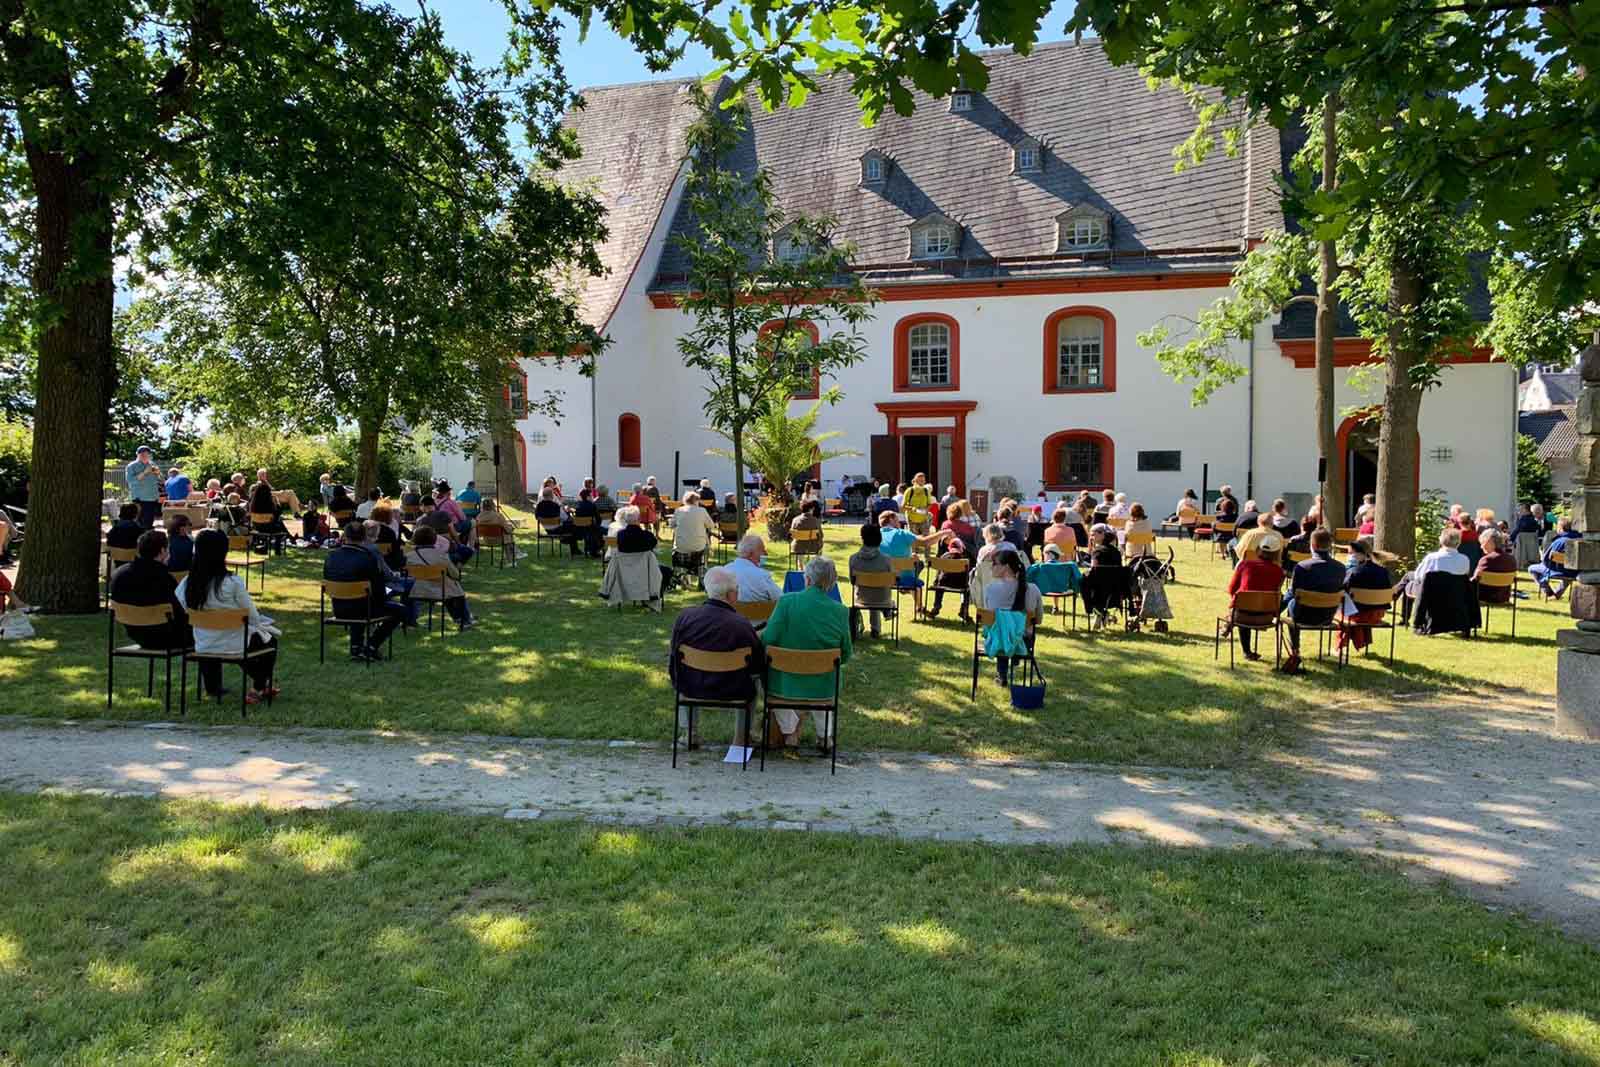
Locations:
(994, 538)
(1188, 508)
(364, 509)
(263, 502)
(388, 539)
(809, 519)
(211, 587)
(649, 506)
(1448, 558)
(1011, 591)
(958, 520)
(1120, 508)
(1363, 572)
(716, 626)
(426, 552)
(471, 500)
(340, 506)
(1495, 560)
(410, 497)
(809, 620)
(313, 528)
(880, 501)
(1525, 523)
(1547, 570)
(442, 501)
(125, 532)
(952, 581)
(730, 507)
(1105, 553)
(1248, 544)
(354, 561)
(755, 581)
(147, 582)
(213, 488)
(605, 501)
(1061, 535)
(1259, 575)
(233, 516)
(632, 536)
(692, 532)
(1368, 511)
(871, 560)
(1319, 574)
(1012, 528)
(1138, 522)
(900, 543)
(180, 545)
(442, 525)
(1282, 522)
(594, 538)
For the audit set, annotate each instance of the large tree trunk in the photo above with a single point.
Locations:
(1397, 433)
(77, 377)
(1333, 504)
(510, 480)
(369, 427)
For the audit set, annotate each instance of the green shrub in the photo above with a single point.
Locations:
(16, 453)
(294, 462)
(401, 457)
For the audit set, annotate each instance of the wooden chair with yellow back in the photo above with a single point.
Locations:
(824, 710)
(241, 559)
(151, 616)
(706, 662)
(1254, 610)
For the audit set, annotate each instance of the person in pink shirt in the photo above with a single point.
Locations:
(443, 501)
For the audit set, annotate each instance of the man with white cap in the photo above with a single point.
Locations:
(144, 486)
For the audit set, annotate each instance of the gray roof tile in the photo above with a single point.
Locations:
(1555, 430)
(1108, 143)
(632, 139)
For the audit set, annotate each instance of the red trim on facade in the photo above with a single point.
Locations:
(902, 353)
(505, 393)
(1108, 460)
(522, 461)
(816, 339)
(1346, 428)
(955, 410)
(952, 290)
(1108, 350)
(629, 440)
(1355, 351)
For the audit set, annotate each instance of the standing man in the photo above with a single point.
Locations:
(178, 486)
(919, 504)
(144, 487)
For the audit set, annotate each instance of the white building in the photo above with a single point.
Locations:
(1020, 239)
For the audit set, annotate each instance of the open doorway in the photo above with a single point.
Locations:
(926, 453)
(1360, 466)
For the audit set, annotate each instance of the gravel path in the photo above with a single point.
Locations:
(1482, 795)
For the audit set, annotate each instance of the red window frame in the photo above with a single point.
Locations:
(629, 440)
(518, 372)
(1050, 472)
(816, 338)
(902, 353)
(1108, 350)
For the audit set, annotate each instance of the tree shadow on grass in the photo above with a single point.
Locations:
(142, 931)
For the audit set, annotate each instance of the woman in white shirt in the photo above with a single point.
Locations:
(210, 587)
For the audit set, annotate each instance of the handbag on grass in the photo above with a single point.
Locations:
(15, 626)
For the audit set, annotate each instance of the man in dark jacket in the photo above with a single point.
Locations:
(146, 582)
(593, 535)
(716, 626)
(1319, 574)
(353, 562)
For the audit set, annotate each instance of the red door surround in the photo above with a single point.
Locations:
(954, 410)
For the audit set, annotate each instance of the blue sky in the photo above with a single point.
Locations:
(479, 27)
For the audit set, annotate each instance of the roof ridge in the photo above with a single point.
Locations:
(679, 81)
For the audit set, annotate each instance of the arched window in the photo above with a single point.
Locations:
(927, 354)
(516, 394)
(628, 440)
(1080, 351)
(1079, 459)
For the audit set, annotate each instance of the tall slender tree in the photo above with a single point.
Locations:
(771, 295)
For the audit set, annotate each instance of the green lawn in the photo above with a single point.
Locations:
(136, 932)
(552, 660)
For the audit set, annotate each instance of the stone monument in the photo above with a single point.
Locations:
(1578, 656)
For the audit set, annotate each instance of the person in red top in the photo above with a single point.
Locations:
(1260, 575)
(646, 505)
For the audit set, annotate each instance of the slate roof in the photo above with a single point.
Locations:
(1108, 143)
(1299, 320)
(632, 138)
(1556, 431)
(1561, 388)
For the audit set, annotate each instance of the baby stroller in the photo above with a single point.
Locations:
(1148, 593)
(688, 571)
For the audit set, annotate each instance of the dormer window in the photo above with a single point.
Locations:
(787, 248)
(961, 100)
(1027, 156)
(1082, 229)
(874, 167)
(933, 236)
